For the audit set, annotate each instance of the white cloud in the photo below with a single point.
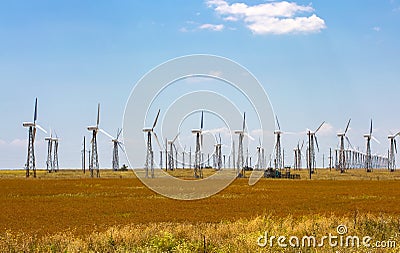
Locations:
(19, 143)
(270, 18)
(183, 29)
(212, 27)
(376, 28)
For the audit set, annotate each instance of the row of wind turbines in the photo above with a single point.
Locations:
(345, 158)
(52, 147)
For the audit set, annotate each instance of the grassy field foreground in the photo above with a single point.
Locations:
(68, 212)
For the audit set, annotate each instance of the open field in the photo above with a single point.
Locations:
(85, 209)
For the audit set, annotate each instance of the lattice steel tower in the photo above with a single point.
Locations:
(198, 169)
(240, 159)
(30, 160)
(149, 164)
(392, 152)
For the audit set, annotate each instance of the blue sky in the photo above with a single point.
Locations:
(340, 61)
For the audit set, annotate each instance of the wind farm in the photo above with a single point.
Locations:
(199, 126)
(356, 180)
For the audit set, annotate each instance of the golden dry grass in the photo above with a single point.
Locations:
(70, 211)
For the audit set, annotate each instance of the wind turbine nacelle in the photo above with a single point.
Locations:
(239, 132)
(277, 132)
(92, 128)
(196, 131)
(367, 136)
(28, 124)
(48, 139)
(146, 130)
(391, 137)
(340, 134)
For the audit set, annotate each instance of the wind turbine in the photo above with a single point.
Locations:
(312, 138)
(94, 159)
(49, 161)
(183, 157)
(392, 152)
(278, 150)
(30, 161)
(297, 155)
(150, 156)
(218, 152)
(198, 170)
(52, 153)
(260, 158)
(55, 154)
(116, 144)
(240, 159)
(342, 156)
(368, 156)
(171, 162)
(84, 155)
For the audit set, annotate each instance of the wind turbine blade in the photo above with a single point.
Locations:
(158, 143)
(155, 121)
(244, 121)
(220, 140)
(35, 112)
(347, 127)
(370, 129)
(201, 140)
(201, 122)
(302, 144)
(104, 132)
(375, 139)
(121, 146)
(98, 114)
(348, 141)
(41, 128)
(175, 137)
(395, 146)
(259, 141)
(316, 142)
(319, 127)
(397, 134)
(249, 136)
(277, 122)
(119, 133)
